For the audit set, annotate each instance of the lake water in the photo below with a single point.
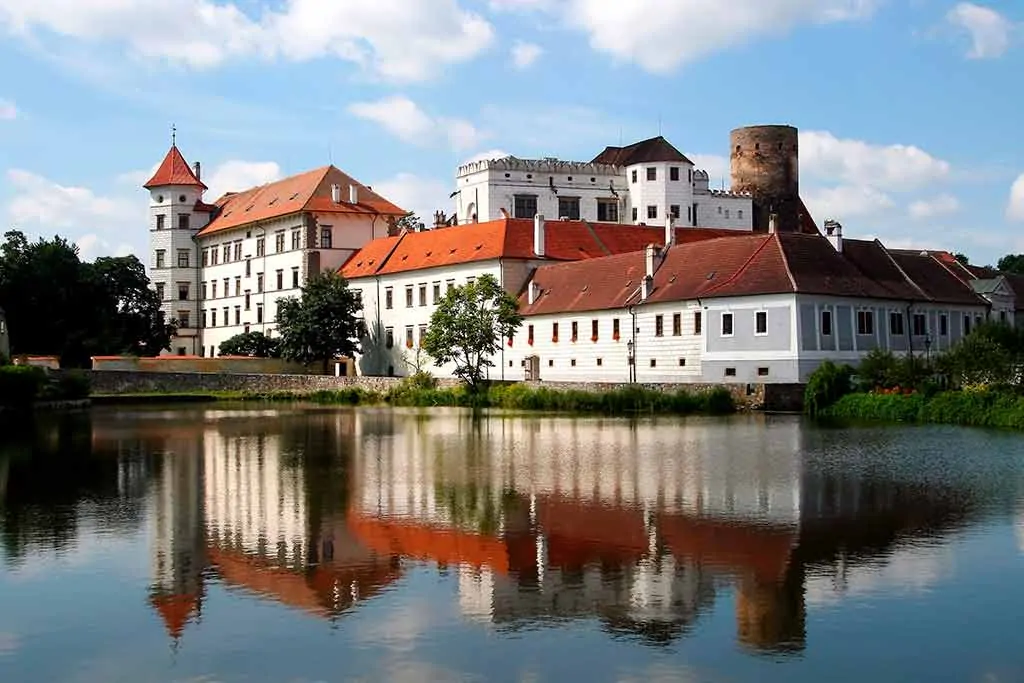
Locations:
(305, 544)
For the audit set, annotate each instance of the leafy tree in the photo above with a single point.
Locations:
(1012, 263)
(469, 326)
(964, 259)
(252, 344)
(132, 321)
(321, 325)
(409, 221)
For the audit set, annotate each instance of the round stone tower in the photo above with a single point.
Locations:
(766, 163)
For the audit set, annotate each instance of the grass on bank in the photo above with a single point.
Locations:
(976, 408)
(423, 392)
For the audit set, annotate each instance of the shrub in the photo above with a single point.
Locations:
(826, 385)
(20, 385)
(73, 385)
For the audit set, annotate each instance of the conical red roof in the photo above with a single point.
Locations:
(176, 610)
(174, 170)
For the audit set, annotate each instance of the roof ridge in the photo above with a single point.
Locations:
(741, 269)
(324, 171)
(902, 272)
(387, 257)
(785, 262)
(593, 233)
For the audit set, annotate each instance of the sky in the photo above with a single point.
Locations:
(907, 109)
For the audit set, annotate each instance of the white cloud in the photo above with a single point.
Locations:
(8, 112)
(395, 39)
(823, 156)
(524, 55)
(421, 195)
(989, 30)
(683, 31)
(404, 119)
(941, 205)
(92, 245)
(847, 201)
(486, 156)
(234, 176)
(716, 166)
(1015, 209)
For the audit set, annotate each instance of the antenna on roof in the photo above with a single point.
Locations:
(174, 135)
(659, 124)
(330, 154)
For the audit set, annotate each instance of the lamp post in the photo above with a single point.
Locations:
(630, 360)
(927, 349)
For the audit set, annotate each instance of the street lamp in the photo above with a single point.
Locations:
(632, 365)
(927, 349)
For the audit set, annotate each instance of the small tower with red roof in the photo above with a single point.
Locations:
(176, 214)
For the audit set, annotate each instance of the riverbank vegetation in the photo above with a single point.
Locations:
(23, 386)
(979, 382)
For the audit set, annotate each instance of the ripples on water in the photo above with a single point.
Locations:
(307, 545)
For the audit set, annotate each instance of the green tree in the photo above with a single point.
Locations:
(1012, 263)
(322, 324)
(132, 321)
(252, 344)
(409, 221)
(469, 326)
(964, 259)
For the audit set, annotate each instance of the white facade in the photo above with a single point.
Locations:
(641, 194)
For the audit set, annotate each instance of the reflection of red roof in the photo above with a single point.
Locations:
(430, 543)
(175, 611)
(763, 551)
(579, 532)
(174, 170)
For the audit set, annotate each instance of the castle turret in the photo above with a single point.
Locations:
(766, 163)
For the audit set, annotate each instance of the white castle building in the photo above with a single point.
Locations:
(639, 184)
(220, 269)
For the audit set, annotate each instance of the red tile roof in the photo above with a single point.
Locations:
(309, 191)
(174, 170)
(509, 238)
(652, 150)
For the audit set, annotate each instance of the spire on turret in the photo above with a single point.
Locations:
(174, 170)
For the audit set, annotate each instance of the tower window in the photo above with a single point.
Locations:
(673, 173)
(652, 211)
(184, 221)
(160, 221)
(652, 174)
(183, 258)
(161, 256)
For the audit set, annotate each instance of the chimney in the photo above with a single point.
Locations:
(531, 293)
(353, 194)
(336, 194)
(670, 229)
(197, 170)
(538, 235)
(834, 233)
(773, 221)
(650, 254)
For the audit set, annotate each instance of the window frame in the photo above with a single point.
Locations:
(728, 315)
(759, 318)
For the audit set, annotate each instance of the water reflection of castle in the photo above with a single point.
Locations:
(541, 519)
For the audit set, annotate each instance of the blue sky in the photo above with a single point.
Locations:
(907, 108)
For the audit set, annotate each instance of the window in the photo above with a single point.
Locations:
(967, 325)
(161, 256)
(204, 290)
(652, 174)
(408, 337)
(389, 298)
(261, 246)
(259, 313)
(183, 258)
(615, 329)
(248, 267)
(593, 330)
(697, 322)
(213, 286)
(296, 239)
(238, 315)
(673, 173)
(227, 292)
(674, 210)
(160, 218)
(238, 250)
(943, 325)
(206, 257)
(423, 294)
(437, 292)
(654, 362)
(727, 324)
(279, 242)
(238, 286)
(920, 325)
(184, 221)
(826, 323)
(727, 213)
(524, 206)
(408, 296)
(295, 278)
(326, 238)
(160, 291)
(572, 362)
(730, 372)
(865, 322)
(202, 321)
(214, 255)
(682, 362)
(389, 337)
(529, 335)
(633, 176)
(761, 323)
(259, 282)
(575, 330)
(569, 207)
(183, 320)
(226, 319)
(248, 301)
(182, 291)
(659, 326)
(677, 324)
(213, 318)
(450, 285)
(600, 362)
(608, 210)
(554, 332)
(227, 253)
(762, 372)
(652, 211)
(895, 323)
(1002, 316)
(634, 214)
(280, 279)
